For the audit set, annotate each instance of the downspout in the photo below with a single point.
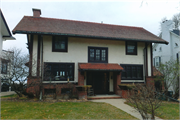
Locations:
(42, 68)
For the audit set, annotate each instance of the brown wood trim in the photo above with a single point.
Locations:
(151, 61)
(31, 53)
(146, 60)
(38, 55)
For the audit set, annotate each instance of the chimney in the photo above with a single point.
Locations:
(36, 12)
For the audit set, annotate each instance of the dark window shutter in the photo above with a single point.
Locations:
(159, 60)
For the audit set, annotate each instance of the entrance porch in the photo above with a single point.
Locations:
(104, 78)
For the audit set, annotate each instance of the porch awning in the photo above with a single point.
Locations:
(99, 67)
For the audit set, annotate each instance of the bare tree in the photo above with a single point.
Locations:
(17, 73)
(170, 70)
(176, 20)
(145, 100)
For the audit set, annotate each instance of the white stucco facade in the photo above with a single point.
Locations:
(78, 53)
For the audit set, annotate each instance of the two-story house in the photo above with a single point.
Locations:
(163, 53)
(5, 34)
(87, 53)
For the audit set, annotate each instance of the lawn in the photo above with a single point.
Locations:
(167, 110)
(60, 110)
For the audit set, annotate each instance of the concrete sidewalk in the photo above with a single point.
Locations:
(7, 93)
(119, 103)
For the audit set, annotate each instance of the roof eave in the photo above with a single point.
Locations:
(87, 36)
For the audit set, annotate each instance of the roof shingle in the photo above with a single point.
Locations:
(53, 26)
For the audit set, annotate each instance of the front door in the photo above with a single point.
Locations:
(99, 82)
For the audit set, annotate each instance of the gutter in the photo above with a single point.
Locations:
(89, 36)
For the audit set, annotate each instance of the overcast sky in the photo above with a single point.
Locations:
(129, 13)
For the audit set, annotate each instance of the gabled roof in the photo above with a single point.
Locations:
(41, 25)
(100, 67)
(177, 32)
(6, 34)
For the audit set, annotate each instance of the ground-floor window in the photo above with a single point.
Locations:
(132, 72)
(59, 71)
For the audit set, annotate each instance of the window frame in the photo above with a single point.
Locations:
(2, 67)
(59, 70)
(135, 52)
(97, 48)
(131, 71)
(59, 50)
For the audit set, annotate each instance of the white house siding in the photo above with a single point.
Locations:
(78, 53)
(168, 52)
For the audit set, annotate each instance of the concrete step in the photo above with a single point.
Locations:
(103, 97)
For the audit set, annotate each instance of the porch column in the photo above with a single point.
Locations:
(80, 78)
(118, 81)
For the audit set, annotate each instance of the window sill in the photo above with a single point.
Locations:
(59, 82)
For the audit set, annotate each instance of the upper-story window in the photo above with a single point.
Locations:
(160, 49)
(4, 67)
(176, 45)
(59, 44)
(177, 57)
(98, 54)
(131, 48)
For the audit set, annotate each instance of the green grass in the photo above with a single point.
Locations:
(167, 110)
(13, 95)
(61, 110)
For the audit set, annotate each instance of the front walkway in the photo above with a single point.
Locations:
(7, 93)
(119, 103)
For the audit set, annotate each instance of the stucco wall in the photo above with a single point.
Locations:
(78, 52)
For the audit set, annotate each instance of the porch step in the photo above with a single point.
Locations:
(103, 97)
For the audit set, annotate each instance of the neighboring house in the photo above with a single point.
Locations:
(87, 53)
(163, 53)
(5, 34)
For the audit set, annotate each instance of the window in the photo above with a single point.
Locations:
(59, 44)
(176, 45)
(4, 67)
(177, 57)
(157, 61)
(98, 54)
(131, 48)
(59, 71)
(132, 72)
(160, 49)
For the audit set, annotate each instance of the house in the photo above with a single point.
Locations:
(5, 34)
(163, 53)
(86, 53)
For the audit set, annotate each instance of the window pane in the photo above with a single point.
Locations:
(103, 55)
(97, 55)
(139, 72)
(60, 43)
(92, 54)
(128, 71)
(124, 72)
(134, 72)
(131, 47)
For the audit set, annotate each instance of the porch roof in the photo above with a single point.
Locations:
(100, 67)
